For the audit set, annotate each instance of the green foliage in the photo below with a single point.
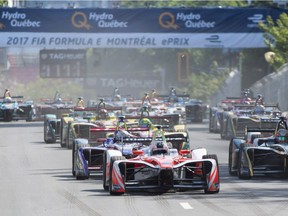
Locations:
(3, 2)
(276, 38)
(203, 85)
(46, 88)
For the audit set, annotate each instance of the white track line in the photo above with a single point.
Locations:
(186, 205)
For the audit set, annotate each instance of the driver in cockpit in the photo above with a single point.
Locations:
(7, 96)
(159, 144)
(159, 148)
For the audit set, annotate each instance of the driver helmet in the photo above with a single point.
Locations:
(145, 122)
(159, 148)
(281, 136)
(117, 97)
(121, 118)
(103, 114)
(259, 109)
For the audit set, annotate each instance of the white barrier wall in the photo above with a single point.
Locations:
(274, 87)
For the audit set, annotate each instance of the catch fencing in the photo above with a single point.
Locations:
(274, 87)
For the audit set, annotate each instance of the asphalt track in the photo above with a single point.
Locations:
(36, 180)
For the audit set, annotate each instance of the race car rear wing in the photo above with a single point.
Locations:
(150, 139)
(51, 101)
(177, 95)
(14, 97)
(95, 109)
(264, 130)
(233, 100)
(94, 129)
(139, 103)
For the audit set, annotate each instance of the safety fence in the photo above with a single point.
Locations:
(274, 87)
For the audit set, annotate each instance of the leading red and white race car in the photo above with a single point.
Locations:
(161, 168)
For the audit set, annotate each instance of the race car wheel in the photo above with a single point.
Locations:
(106, 187)
(207, 166)
(210, 122)
(113, 159)
(231, 171)
(73, 155)
(31, 115)
(240, 164)
(78, 177)
(62, 140)
(8, 115)
(223, 133)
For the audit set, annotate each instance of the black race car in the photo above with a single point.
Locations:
(195, 110)
(14, 108)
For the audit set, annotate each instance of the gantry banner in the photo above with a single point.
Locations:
(134, 28)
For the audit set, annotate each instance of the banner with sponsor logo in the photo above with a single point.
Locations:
(139, 82)
(134, 28)
(65, 63)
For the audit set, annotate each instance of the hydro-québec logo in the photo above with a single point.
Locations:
(18, 19)
(194, 20)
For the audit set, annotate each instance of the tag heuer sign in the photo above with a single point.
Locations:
(62, 63)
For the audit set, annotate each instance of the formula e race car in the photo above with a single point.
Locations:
(52, 128)
(159, 167)
(14, 108)
(216, 112)
(57, 106)
(80, 128)
(235, 121)
(260, 152)
(194, 111)
(88, 157)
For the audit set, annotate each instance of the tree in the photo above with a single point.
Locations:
(3, 2)
(46, 88)
(276, 38)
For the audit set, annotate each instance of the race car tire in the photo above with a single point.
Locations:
(73, 165)
(31, 115)
(79, 177)
(62, 139)
(223, 132)
(50, 141)
(53, 140)
(113, 159)
(68, 142)
(240, 165)
(210, 122)
(106, 187)
(211, 156)
(231, 172)
(62, 144)
(230, 134)
(7, 115)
